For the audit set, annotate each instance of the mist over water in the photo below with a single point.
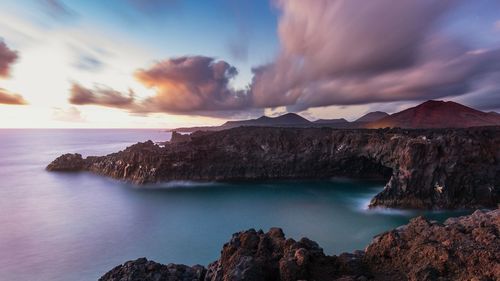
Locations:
(77, 226)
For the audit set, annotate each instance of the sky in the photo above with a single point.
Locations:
(171, 63)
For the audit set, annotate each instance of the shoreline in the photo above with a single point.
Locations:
(420, 250)
(424, 169)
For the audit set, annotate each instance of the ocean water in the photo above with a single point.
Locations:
(77, 226)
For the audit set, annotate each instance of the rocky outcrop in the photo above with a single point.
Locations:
(145, 270)
(178, 137)
(255, 255)
(466, 248)
(452, 168)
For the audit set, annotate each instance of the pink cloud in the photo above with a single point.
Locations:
(358, 52)
(7, 58)
(100, 95)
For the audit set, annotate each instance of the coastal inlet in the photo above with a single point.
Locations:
(424, 169)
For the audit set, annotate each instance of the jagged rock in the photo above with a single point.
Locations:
(440, 168)
(68, 162)
(145, 270)
(255, 255)
(178, 137)
(465, 248)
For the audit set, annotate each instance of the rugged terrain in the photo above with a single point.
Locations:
(465, 248)
(446, 168)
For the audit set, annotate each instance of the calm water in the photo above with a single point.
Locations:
(77, 226)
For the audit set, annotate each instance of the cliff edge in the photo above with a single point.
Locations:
(424, 169)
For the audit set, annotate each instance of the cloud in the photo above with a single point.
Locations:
(72, 114)
(194, 84)
(238, 46)
(333, 52)
(57, 9)
(9, 98)
(244, 15)
(7, 58)
(359, 52)
(100, 95)
(485, 94)
(88, 62)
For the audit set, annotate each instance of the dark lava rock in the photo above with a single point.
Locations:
(425, 169)
(67, 163)
(465, 248)
(178, 137)
(255, 255)
(145, 270)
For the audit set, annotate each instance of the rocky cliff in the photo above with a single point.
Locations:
(440, 168)
(465, 248)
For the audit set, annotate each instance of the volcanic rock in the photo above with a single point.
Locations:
(425, 169)
(464, 248)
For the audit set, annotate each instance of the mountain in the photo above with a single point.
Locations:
(430, 114)
(437, 114)
(289, 119)
(372, 116)
(330, 121)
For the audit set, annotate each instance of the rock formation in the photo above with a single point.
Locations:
(466, 248)
(453, 168)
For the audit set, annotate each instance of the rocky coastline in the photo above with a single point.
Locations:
(464, 248)
(424, 169)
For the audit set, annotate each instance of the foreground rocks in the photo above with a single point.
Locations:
(465, 248)
(145, 270)
(441, 168)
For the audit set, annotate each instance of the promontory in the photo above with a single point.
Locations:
(424, 168)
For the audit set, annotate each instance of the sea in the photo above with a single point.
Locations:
(77, 226)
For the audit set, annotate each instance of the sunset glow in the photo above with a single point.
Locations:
(207, 73)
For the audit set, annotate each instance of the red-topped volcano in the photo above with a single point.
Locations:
(438, 114)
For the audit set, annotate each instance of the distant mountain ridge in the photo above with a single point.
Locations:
(330, 121)
(438, 114)
(430, 114)
(372, 116)
(282, 120)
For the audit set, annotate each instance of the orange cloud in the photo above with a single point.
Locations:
(10, 98)
(192, 84)
(7, 58)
